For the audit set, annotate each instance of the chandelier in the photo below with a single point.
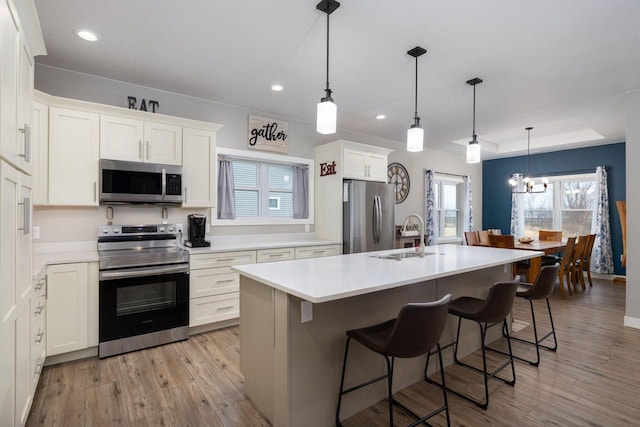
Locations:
(521, 184)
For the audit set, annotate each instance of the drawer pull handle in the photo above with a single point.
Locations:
(277, 255)
(40, 337)
(39, 309)
(226, 281)
(38, 368)
(229, 307)
(318, 252)
(225, 259)
(39, 286)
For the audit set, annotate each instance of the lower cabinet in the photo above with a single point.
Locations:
(214, 288)
(71, 316)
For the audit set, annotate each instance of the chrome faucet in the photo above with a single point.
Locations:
(421, 230)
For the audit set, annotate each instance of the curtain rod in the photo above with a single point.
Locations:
(449, 174)
(571, 172)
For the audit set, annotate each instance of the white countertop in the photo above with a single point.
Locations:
(247, 246)
(331, 278)
(43, 259)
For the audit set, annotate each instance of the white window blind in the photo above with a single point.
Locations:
(263, 189)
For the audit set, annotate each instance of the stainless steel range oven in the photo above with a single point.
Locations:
(144, 287)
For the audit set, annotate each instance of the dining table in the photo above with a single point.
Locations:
(549, 247)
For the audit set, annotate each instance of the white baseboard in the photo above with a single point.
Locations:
(632, 322)
(603, 276)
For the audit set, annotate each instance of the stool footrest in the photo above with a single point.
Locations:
(364, 384)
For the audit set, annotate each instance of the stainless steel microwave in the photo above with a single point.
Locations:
(123, 182)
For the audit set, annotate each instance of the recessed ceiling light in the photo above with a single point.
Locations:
(381, 116)
(87, 35)
(276, 88)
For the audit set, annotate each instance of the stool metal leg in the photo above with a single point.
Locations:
(390, 387)
(344, 368)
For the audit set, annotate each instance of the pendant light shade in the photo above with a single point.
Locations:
(415, 134)
(327, 111)
(326, 117)
(473, 148)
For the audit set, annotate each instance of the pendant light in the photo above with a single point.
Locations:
(473, 149)
(415, 134)
(327, 111)
(521, 184)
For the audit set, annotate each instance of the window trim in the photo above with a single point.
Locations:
(264, 157)
(459, 182)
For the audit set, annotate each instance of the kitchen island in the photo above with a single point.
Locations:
(294, 315)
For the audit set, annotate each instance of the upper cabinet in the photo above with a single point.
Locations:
(16, 80)
(199, 171)
(73, 157)
(124, 138)
(368, 166)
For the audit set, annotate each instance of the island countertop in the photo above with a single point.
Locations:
(319, 280)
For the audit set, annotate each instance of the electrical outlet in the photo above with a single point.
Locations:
(306, 311)
(179, 228)
(36, 232)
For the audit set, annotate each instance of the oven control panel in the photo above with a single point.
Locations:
(138, 230)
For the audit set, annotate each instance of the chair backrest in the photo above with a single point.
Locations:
(567, 255)
(545, 283)
(471, 237)
(578, 252)
(501, 241)
(483, 235)
(549, 235)
(418, 328)
(591, 239)
(499, 302)
(495, 231)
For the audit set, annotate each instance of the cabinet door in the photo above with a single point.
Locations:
(121, 138)
(377, 167)
(10, 48)
(353, 164)
(73, 157)
(40, 143)
(163, 143)
(25, 100)
(198, 174)
(66, 308)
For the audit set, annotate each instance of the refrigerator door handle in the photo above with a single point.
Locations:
(377, 219)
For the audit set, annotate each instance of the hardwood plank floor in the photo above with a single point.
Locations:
(593, 379)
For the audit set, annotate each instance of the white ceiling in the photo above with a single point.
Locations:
(561, 66)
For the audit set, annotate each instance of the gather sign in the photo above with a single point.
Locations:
(268, 134)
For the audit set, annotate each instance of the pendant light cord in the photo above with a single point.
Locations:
(474, 113)
(327, 90)
(416, 118)
(528, 150)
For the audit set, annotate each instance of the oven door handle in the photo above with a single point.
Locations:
(138, 272)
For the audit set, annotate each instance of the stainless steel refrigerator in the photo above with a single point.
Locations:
(368, 216)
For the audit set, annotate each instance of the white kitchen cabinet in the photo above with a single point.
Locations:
(364, 165)
(38, 330)
(73, 157)
(123, 138)
(40, 141)
(199, 168)
(67, 299)
(318, 251)
(16, 81)
(276, 254)
(214, 287)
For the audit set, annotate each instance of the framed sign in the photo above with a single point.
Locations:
(267, 134)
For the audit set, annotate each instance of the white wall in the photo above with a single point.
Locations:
(632, 317)
(58, 224)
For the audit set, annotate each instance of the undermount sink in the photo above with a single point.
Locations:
(402, 255)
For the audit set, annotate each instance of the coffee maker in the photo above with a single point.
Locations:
(197, 229)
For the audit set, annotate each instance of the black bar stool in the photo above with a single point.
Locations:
(416, 330)
(486, 313)
(542, 289)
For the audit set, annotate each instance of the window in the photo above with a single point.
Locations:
(448, 203)
(263, 188)
(567, 205)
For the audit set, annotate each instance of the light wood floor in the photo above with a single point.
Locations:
(593, 379)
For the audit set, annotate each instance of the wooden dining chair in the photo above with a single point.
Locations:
(549, 235)
(577, 261)
(495, 231)
(483, 236)
(566, 271)
(586, 261)
(508, 242)
(471, 237)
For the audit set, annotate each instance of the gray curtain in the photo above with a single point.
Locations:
(602, 260)
(226, 190)
(300, 192)
(429, 209)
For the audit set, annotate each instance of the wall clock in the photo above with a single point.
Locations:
(399, 177)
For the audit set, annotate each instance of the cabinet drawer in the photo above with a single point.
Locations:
(214, 309)
(38, 310)
(318, 251)
(212, 281)
(270, 255)
(224, 259)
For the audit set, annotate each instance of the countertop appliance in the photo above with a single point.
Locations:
(144, 287)
(197, 231)
(368, 221)
(123, 182)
